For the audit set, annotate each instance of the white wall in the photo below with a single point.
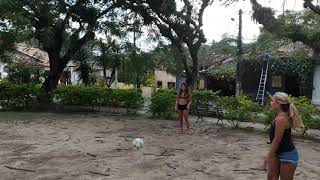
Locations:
(316, 84)
(2, 73)
(164, 77)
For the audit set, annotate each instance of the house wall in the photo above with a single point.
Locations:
(251, 79)
(3, 74)
(316, 84)
(165, 78)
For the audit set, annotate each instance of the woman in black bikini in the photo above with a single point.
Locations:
(283, 157)
(183, 103)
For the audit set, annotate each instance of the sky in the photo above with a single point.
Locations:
(217, 20)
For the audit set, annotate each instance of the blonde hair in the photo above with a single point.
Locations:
(294, 117)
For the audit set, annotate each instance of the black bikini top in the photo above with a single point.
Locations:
(184, 97)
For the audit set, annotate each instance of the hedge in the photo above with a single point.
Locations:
(98, 96)
(18, 97)
(163, 103)
(26, 96)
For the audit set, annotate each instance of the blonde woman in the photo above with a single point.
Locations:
(283, 157)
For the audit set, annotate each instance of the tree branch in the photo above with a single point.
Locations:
(78, 44)
(205, 4)
(265, 16)
(308, 4)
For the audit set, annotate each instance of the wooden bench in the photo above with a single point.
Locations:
(206, 109)
(132, 113)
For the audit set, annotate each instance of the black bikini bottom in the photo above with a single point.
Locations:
(182, 107)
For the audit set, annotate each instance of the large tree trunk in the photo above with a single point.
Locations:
(112, 77)
(192, 78)
(105, 75)
(56, 68)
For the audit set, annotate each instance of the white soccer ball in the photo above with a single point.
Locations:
(137, 143)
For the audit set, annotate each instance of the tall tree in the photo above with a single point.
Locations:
(166, 57)
(60, 26)
(299, 27)
(183, 27)
(109, 58)
(134, 68)
(84, 58)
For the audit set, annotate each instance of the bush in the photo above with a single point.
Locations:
(306, 110)
(77, 95)
(239, 109)
(98, 96)
(204, 97)
(19, 97)
(163, 103)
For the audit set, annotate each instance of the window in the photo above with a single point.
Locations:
(277, 81)
(201, 84)
(171, 85)
(6, 69)
(159, 84)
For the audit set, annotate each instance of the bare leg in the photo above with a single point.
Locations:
(185, 116)
(287, 171)
(181, 120)
(273, 166)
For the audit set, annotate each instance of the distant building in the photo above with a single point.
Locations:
(3, 71)
(164, 79)
(37, 58)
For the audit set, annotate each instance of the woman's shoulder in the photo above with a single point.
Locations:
(282, 120)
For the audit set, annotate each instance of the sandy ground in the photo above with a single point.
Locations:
(98, 146)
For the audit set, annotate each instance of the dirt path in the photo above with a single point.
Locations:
(94, 146)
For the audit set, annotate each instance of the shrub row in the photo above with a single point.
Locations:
(98, 96)
(18, 97)
(23, 97)
(237, 109)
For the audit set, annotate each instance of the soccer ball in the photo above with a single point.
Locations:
(137, 143)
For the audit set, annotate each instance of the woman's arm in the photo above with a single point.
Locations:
(189, 101)
(280, 124)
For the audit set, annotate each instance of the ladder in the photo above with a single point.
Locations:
(263, 79)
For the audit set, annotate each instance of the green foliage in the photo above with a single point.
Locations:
(77, 95)
(22, 74)
(98, 96)
(149, 80)
(163, 103)
(60, 27)
(7, 40)
(226, 46)
(85, 59)
(306, 109)
(26, 96)
(134, 68)
(226, 70)
(18, 97)
(239, 109)
(204, 97)
(167, 57)
(296, 66)
(306, 22)
(109, 58)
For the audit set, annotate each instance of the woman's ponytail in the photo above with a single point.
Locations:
(295, 119)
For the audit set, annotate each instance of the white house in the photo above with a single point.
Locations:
(3, 71)
(35, 57)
